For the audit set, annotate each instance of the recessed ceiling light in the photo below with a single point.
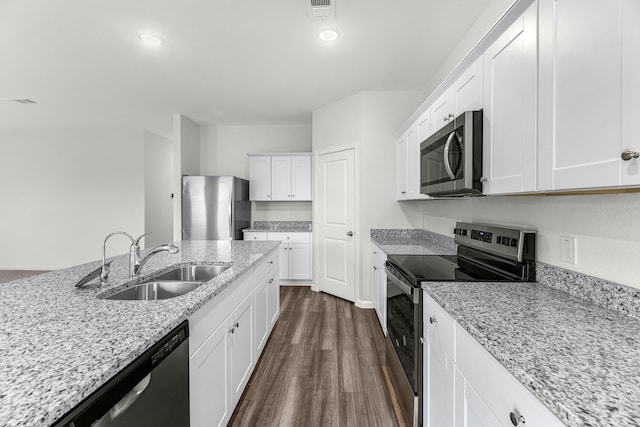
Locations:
(328, 34)
(150, 40)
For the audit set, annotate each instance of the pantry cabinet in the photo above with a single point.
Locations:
(510, 102)
(587, 68)
(280, 177)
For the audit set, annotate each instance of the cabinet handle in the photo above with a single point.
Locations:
(271, 262)
(422, 340)
(629, 154)
(375, 268)
(237, 324)
(271, 281)
(516, 418)
(350, 233)
(433, 320)
(232, 330)
(484, 180)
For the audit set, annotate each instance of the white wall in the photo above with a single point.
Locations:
(368, 121)
(63, 191)
(158, 187)
(186, 161)
(224, 151)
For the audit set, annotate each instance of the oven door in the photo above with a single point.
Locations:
(404, 325)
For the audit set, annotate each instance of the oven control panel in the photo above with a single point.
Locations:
(513, 243)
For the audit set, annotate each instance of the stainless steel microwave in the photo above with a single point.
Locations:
(451, 159)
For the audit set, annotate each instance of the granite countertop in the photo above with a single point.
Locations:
(58, 343)
(581, 360)
(412, 242)
(280, 226)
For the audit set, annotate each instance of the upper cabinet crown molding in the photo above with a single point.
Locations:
(280, 177)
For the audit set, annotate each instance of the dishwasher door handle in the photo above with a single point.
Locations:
(130, 398)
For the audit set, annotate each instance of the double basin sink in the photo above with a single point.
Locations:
(170, 284)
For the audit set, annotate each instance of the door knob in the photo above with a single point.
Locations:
(349, 233)
(629, 154)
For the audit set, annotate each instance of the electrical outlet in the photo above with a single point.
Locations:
(568, 249)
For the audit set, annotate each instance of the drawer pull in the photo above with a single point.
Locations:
(433, 320)
(232, 330)
(375, 268)
(271, 262)
(237, 324)
(271, 281)
(516, 418)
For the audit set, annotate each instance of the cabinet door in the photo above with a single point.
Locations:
(402, 167)
(580, 75)
(630, 89)
(510, 108)
(255, 235)
(299, 261)
(438, 383)
(413, 164)
(260, 178)
(208, 381)
(273, 299)
(468, 89)
(374, 284)
(261, 325)
(283, 258)
(471, 411)
(301, 177)
(382, 295)
(242, 351)
(443, 110)
(423, 124)
(280, 177)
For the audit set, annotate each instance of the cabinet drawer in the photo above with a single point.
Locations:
(290, 237)
(440, 325)
(264, 267)
(500, 390)
(255, 235)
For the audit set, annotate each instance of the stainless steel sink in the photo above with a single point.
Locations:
(170, 284)
(156, 290)
(198, 273)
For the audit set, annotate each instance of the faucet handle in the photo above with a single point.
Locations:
(136, 242)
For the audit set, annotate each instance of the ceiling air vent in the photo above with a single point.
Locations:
(321, 9)
(19, 100)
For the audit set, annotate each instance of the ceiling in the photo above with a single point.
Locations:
(223, 61)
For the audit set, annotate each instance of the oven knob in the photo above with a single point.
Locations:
(514, 243)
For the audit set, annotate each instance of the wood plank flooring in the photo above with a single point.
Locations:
(9, 275)
(322, 366)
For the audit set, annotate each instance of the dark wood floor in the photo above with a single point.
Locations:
(9, 275)
(322, 366)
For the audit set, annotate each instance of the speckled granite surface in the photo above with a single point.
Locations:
(598, 291)
(292, 226)
(581, 360)
(58, 343)
(412, 242)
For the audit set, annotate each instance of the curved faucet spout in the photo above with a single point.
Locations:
(172, 249)
(104, 271)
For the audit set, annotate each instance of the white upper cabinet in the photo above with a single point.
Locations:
(280, 177)
(630, 88)
(301, 177)
(259, 178)
(402, 167)
(510, 96)
(285, 177)
(467, 90)
(443, 109)
(586, 68)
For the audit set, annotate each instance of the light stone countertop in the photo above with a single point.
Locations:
(58, 344)
(412, 242)
(280, 226)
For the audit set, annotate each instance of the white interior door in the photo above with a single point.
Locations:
(336, 224)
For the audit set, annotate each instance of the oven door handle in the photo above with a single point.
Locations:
(447, 146)
(406, 289)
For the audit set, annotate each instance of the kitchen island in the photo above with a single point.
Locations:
(58, 343)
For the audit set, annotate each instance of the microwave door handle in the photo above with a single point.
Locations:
(447, 166)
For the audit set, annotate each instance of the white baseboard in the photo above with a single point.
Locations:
(296, 283)
(364, 304)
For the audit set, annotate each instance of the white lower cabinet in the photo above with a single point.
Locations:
(209, 379)
(295, 252)
(227, 336)
(465, 386)
(379, 284)
(471, 411)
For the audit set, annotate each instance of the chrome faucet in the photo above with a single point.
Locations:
(137, 265)
(104, 271)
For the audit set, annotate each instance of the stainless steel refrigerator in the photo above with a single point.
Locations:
(215, 207)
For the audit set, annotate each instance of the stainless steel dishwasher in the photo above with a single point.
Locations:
(152, 391)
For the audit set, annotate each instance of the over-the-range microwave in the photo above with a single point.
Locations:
(451, 159)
